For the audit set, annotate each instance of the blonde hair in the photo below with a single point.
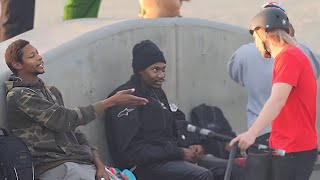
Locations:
(281, 37)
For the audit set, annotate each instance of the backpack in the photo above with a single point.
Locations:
(15, 158)
(212, 118)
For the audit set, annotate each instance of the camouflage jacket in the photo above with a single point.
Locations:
(37, 115)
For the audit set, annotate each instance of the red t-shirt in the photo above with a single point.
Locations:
(294, 129)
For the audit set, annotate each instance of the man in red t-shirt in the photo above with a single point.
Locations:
(294, 127)
(292, 105)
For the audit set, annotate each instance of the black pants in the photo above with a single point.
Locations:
(17, 16)
(173, 170)
(294, 166)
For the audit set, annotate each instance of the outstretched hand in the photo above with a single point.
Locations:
(245, 140)
(125, 97)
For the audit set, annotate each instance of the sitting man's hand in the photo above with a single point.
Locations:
(125, 97)
(198, 149)
(102, 174)
(189, 155)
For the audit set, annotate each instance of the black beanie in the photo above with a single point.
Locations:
(145, 54)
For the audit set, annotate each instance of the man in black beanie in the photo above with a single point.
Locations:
(146, 136)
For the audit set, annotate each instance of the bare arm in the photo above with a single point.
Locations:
(101, 171)
(272, 108)
(278, 98)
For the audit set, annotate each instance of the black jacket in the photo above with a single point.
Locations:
(143, 134)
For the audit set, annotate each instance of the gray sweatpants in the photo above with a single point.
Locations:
(70, 170)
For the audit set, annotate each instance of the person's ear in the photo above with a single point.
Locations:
(17, 65)
(142, 12)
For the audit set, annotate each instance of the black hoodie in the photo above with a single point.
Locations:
(139, 135)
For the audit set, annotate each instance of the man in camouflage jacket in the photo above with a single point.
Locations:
(37, 115)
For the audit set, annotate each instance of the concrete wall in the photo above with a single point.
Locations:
(86, 67)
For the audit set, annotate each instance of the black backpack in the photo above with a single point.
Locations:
(15, 158)
(212, 118)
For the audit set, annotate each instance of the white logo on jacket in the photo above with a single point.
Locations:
(125, 112)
